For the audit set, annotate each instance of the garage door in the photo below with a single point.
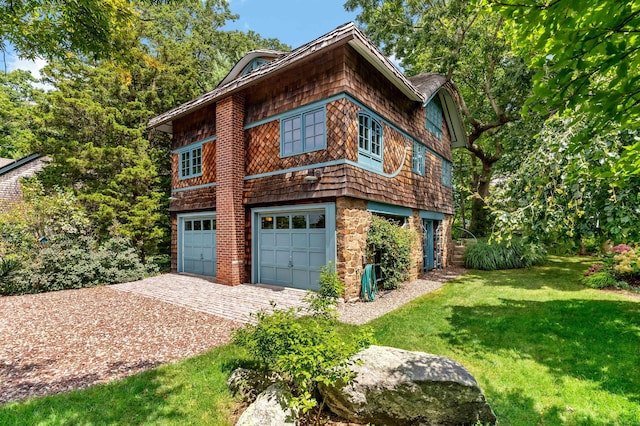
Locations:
(198, 245)
(292, 248)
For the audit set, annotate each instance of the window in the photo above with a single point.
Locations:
(418, 158)
(304, 132)
(191, 163)
(254, 64)
(369, 141)
(446, 173)
(434, 117)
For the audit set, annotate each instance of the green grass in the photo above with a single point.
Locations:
(191, 392)
(545, 349)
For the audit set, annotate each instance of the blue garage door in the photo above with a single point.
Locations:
(292, 248)
(199, 246)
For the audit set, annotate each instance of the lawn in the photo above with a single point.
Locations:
(546, 351)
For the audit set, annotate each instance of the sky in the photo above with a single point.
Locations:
(293, 22)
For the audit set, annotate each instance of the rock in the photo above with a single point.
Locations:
(271, 408)
(248, 384)
(397, 387)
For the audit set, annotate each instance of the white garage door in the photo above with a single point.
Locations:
(292, 248)
(198, 251)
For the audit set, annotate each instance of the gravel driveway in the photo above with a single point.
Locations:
(64, 340)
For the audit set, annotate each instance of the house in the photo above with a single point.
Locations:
(11, 171)
(278, 170)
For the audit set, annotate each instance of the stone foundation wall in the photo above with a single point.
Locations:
(352, 226)
(415, 224)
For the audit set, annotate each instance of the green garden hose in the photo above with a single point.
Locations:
(369, 284)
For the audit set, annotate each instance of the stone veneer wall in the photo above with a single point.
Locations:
(352, 226)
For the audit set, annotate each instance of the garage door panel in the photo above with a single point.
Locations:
(282, 257)
(300, 259)
(317, 260)
(268, 273)
(300, 240)
(283, 239)
(268, 239)
(317, 241)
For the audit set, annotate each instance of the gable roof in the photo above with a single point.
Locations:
(348, 33)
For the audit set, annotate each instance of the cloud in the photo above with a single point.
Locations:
(33, 67)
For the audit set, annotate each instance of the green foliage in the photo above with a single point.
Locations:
(586, 55)
(600, 280)
(17, 98)
(43, 28)
(563, 192)
(331, 287)
(492, 255)
(304, 352)
(390, 244)
(52, 246)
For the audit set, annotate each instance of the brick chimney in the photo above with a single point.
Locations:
(230, 158)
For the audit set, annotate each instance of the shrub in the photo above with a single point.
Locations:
(303, 352)
(391, 244)
(495, 255)
(600, 280)
(76, 263)
(323, 303)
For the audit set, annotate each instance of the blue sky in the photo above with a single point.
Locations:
(294, 22)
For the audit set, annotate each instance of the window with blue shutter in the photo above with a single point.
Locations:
(303, 132)
(191, 162)
(418, 161)
(434, 117)
(369, 141)
(446, 173)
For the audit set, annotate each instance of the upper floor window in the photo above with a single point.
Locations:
(418, 164)
(254, 64)
(446, 173)
(191, 163)
(302, 132)
(434, 117)
(369, 141)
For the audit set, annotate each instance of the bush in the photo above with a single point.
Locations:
(303, 352)
(76, 263)
(600, 280)
(391, 244)
(514, 254)
(323, 303)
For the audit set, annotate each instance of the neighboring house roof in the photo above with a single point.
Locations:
(345, 34)
(11, 173)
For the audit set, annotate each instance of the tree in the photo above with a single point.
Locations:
(467, 44)
(17, 97)
(55, 29)
(586, 55)
(566, 193)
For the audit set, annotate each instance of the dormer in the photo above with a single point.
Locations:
(251, 62)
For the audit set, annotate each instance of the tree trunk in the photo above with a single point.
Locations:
(480, 224)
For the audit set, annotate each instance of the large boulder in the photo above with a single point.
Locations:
(397, 387)
(271, 408)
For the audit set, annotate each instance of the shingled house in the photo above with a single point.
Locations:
(278, 170)
(11, 171)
